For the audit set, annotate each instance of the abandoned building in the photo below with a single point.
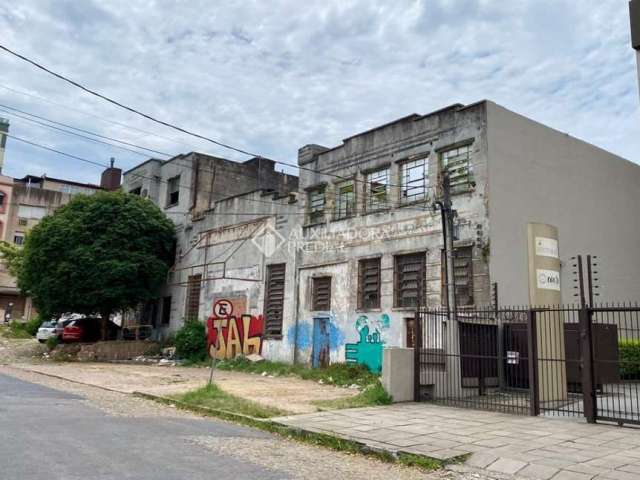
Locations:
(332, 269)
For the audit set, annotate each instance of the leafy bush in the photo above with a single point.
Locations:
(629, 351)
(191, 342)
(52, 342)
(33, 325)
(28, 329)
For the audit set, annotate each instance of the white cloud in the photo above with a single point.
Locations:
(273, 76)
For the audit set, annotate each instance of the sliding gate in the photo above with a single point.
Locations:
(564, 361)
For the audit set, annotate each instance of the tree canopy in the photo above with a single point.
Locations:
(97, 255)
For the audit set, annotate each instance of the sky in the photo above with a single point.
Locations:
(272, 76)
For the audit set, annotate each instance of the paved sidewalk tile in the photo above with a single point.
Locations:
(541, 448)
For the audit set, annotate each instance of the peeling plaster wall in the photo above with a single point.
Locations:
(409, 229)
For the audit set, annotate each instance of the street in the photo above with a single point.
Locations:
(48, 434)
(57, 430)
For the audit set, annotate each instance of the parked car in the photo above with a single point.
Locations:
(63, 322)
(88, 329)
(46, 331)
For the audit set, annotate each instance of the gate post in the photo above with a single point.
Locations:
(417, 352)
(586, 364)
(532, 346)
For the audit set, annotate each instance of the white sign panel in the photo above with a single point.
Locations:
(548, 279)
(546, 247)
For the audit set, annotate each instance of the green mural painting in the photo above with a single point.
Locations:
(368, 350)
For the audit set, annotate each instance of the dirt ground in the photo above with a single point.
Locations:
(287, 393)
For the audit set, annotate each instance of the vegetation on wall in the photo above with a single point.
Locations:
(96, 255)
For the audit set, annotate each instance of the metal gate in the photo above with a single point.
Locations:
(561, 361)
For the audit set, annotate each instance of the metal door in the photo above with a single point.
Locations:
(321, 342)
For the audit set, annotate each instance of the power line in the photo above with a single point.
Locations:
(83, 130)
(170, 125)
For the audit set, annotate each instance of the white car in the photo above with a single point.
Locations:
(46, 331)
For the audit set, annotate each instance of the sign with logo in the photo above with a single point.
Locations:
(546, 247)
(222, 309)
(548, 279)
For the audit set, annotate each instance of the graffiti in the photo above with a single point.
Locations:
(368, 350)
(230, 333)
(304, 338)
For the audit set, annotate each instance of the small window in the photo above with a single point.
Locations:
(136, 191)
(369, 283)
(18, 238)
(23, 222)
(192, 310)
(345, 200)
(457, 163)
(166, 310)
(414, 180)
(321, 294)
(274, 299)
(173, 191)
(317, 202)
(409, 276)
(2, 195)
(463, 275)
(377, 190)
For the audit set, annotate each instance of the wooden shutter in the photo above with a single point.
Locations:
(409, 279)
(369, 283)
(274, 299)
(321, 294)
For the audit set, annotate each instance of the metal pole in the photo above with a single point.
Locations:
(532, 344)
(583, 302)
(590, 280)
(451, 286)
(586, 361)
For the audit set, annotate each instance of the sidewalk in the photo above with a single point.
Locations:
(527, 447)
(287, 393)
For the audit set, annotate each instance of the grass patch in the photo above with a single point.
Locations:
(16, 330)
(372, 395)
(211, 396)
(423, 463)
(340, 374)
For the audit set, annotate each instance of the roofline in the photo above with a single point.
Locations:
(26, 178)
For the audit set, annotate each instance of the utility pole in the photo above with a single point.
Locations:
(448, 214)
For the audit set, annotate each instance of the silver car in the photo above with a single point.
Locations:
(46, 331)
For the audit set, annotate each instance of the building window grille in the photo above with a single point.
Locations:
(345, 199)
(414, 180)
(173, 191)
(377, 190)
(23, 222)
(462, 274)
(321, 294)
(369, 283)
(317, 201)
(274, 299)
(194, 284)
(457, 163)
(409, 275)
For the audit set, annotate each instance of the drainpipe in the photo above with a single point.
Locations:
(296, 277)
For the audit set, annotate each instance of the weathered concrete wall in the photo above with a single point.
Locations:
(538, 174)
(110, 351)
(397, 373)
(401, 229)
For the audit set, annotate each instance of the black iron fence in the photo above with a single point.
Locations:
(565, 361)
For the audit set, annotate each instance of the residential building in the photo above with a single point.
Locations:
(634, 9)
(375, 245)
(224, 213)
(24, 202)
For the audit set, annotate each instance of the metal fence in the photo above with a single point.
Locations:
(560, 361)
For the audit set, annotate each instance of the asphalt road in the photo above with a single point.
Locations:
(47, 434)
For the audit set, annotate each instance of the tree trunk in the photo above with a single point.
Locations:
(104, 322)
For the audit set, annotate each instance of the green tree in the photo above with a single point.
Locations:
(97, 255)
(12, 256)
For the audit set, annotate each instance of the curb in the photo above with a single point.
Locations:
(58, 377)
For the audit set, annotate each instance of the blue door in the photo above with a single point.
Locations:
(321, 342)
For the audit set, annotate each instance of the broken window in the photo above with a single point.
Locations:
(462, 274)
(369, 283)
(409, 276)
(317, 202)
(192, 310)
(321, 294)
(456, 162)
(414, 180)
(377, 190)
(173, 191)
(345, 199)
(166, 311)
(274, 299)
(136, 191)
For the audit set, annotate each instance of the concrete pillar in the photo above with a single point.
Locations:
(397, 373)
(545, 290)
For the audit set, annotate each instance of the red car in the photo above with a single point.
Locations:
(88, 330)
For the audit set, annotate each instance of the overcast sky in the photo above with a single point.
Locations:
(271, 76)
